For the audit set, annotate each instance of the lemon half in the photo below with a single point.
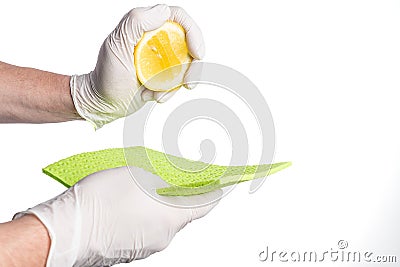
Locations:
(162, 57)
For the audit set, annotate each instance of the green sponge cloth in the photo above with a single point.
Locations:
(186, 177)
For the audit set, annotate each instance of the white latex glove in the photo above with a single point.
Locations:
(107, 219)
(111, 90)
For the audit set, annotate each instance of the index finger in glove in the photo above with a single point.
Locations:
(142, 19)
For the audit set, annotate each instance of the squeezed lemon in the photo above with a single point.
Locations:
(162, 57)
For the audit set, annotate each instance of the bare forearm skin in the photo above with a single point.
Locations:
(34, 96)
(24, 242)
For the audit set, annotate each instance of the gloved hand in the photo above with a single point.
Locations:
(111, 90)
(106, 219)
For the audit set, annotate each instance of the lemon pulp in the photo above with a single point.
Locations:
(162, 57)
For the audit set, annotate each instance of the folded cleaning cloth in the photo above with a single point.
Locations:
(186, 177)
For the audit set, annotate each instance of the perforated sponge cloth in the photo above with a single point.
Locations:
(186, 177)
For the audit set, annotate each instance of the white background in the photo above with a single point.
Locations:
(329, 71)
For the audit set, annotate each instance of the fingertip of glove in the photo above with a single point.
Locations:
(162, 10)
(212, 199)
(189, 86)
(151, 18)
(162, 97)
(147, 95)
(199, 51)
(156, 16)
(193, 75)
(200, 212)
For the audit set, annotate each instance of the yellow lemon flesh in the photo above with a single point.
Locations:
(162, 57)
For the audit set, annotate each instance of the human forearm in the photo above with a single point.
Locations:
(34, 96)
(24, 242)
